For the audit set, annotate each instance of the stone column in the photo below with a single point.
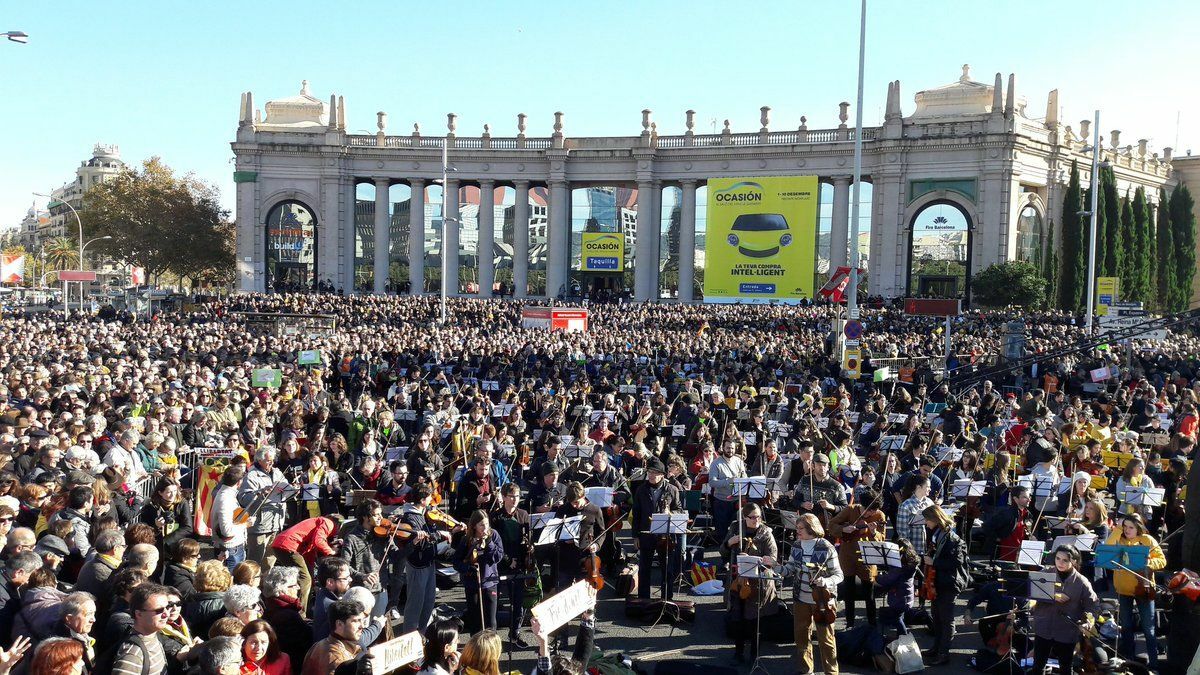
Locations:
(521, 240)
(450, 219)
(416, 237)
(487, 237)
(643, 244)
(251, 266)
(383, 235)
(558, 237)
(839, 230)
(656, 241)
(687, 241)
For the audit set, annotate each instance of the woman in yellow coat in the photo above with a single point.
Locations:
(1132, 532)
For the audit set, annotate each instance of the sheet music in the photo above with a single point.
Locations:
(600, 497)
(880, 553)
(538, 520)
(1043, 585)
(1031, 553)
(966, 487)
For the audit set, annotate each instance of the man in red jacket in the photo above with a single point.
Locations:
(301, 544)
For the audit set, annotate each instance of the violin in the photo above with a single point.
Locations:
(928, 590)
(400, 531)
(442, 520)
(826, 606)
(591, 571)
(243, 515)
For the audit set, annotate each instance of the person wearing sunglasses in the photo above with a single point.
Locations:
(140, 650)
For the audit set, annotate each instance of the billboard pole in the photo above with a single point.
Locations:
(852, 287)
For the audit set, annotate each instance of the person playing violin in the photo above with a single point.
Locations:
(603, 474)
(655, 495)
(394, 492)
(477, 557)
(819, 493)
(1056, 622)
(591, 536)
(420, 564)
(814, 568)
(749, 599)
(945, 557)
(364, 549)
(512, 522)
(862, 521)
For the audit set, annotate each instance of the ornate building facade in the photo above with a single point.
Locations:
(968, 178)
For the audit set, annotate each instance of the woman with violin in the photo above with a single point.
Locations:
(477, 557)
(1136, 590)
(816, 573)
(420, 564)
(1056, 622)
(945, 558)
(512, 522)
(749, 599)
(572, 555)
(863, 521)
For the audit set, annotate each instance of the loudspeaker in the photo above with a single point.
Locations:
(691, 668)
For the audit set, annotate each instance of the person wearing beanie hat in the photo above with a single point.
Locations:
(1071, 502)
(655, 495)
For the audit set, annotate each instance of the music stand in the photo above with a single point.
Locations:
(1031, 553)
(669, 525)
(1085, 543)
(1145, 496)
(892, 443)
(1043, 585)
(1115, 556)
(961, 489)
(754, 487)
(880, 553)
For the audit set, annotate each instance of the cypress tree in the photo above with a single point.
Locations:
(1073, 261)
(1050, 270)
(1183, 222)
(1110, 206)
(1145, 246)
(1101, 238)
(1165, 281)
(1132, 258)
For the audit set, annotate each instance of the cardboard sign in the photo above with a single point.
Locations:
(554, 612)
(397, 652)
(266, 377)
(309, 357)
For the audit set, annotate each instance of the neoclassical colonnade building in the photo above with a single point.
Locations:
(969, 178)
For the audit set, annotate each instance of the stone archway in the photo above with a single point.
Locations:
(939, 251)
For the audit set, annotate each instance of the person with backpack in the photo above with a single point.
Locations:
(946, 558)
(140, 652)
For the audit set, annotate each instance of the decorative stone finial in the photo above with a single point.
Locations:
(381, 120)
(803, 123)
(558, 122)
(1085, 129)
(689, 120)
(845, 112)
(764, 117)
(342, 113)
(487, 129)
(966, 74)
(1116, 139)
(1166, 157)
(726, 130)
(521, 117)
(646, 120)
(998, 95)
(451, 122)
(416, 129)
(1142, 143)
(304, 88)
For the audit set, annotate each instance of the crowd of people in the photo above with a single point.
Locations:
(237, 488)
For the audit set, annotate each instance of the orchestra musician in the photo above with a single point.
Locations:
(1009, 526)
(721, 473)
(512, 522)
(477, 559)
(365, 552)
(261, 477)
(1072, 502)
(477, 491)
(819, 493)
(910, 523)
(946, 558)
(591, 536)
(655, 495)
(420, 564)
(1056, 622)
(602, 474)
(1135, 589)
(770, 464)
(862, 521)
(548, 493)
(749, 599)
(424, 462)
(813, 566)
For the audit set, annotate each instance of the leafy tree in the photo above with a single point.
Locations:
(1073, 264)
(1183, 222)
(14, 249)
(62, 253)
(162, 222)
(1165, 281)
(1145, 246)
(1110, 206)
(1132, 257)
(1009, 283)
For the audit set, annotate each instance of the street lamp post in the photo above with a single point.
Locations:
(1091, 268)
(852, 285)
(446, 169)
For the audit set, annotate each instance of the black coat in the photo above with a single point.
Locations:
(643, 505)
(949, 561)
(181, 579)
(295, 633)
(203, 610)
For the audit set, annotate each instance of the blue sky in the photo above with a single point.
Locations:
(164, 78)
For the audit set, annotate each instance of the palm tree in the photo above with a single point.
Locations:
(61, 253)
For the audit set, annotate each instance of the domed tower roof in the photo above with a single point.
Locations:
(303, 111)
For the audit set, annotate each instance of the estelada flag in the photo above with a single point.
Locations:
(208, 479)
(834, 290)
(702, 572)
(12, 268)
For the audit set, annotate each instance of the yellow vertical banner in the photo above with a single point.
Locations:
(760, 239)
(1108, 291)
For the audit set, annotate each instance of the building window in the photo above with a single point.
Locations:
(1029, 236)
(291, 243)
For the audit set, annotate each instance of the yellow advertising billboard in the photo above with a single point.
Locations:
(1108, 291)
(760, 239)
(602, 252)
